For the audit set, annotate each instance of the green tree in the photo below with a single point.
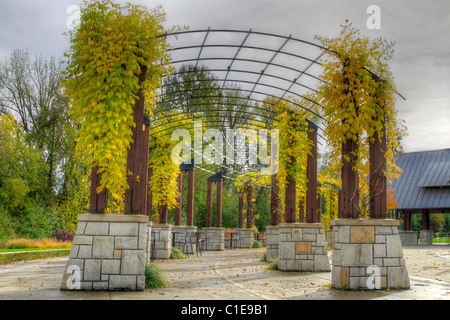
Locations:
(29, 90)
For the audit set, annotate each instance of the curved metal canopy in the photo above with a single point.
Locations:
(253, 65)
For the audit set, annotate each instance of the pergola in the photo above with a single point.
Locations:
(262, 65)
(257, 66)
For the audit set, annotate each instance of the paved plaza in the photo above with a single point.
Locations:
(238, 274)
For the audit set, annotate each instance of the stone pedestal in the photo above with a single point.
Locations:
(179, 233)
(426, 237)
(368, 255)
(148, 246)
(302, 247)
(330, 237)
(108, 253)
(215, 238)
(244, 238)
(409, 238)
(272, 242)
(163, 240)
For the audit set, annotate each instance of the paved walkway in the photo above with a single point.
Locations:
(232, 275)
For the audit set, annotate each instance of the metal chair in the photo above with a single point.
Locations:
(189, 241)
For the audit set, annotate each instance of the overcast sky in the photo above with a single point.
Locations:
(421, 30)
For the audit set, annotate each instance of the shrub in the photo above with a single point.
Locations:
(154, 277)
(177, 254)
(257, 244)
(7, 225)
(63, 235)
(273, 265)
(37, 222)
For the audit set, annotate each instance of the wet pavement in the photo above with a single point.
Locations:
(238, 274)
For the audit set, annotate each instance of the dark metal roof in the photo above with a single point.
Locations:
(216, 177)
(425, 180)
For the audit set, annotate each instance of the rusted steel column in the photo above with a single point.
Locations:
(339, 208)
(426, 219)
(407, 220)
(241, 210)
(190, 199)
(349, 177)
(219, 204)
(162, 210)
(377, 177)
(137, 159)
(311, 175)
(319, 209)
(97, 201)
(249, 207)
(301, 211)
(290, 201)
(179, 199)
(275, 201)
(209, 204)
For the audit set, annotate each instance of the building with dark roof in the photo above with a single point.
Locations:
(423, 187)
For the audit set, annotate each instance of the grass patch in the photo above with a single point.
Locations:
(154, 277)
(441, 240)
(15, 257)
(31, 249)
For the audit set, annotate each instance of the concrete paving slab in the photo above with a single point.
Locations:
(238, 274)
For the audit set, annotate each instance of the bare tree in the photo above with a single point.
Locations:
(29, 90)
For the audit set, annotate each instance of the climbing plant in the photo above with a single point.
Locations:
(294, 148)
(358, 100)
(109, 49)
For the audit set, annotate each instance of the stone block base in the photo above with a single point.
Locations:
(215, 238)
(368, 255)
(179, 233)
(108, 253)
(272, 241)
(163, 240)
(426, 237)
(409, 238)
(302, 247)
(244, 238)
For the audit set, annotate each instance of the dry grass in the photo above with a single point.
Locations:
(30, 243)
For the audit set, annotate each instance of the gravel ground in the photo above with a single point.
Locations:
(431, 262)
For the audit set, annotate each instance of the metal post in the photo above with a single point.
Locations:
(97, 202)
(163, 214)
(149, 195)
(426, 219)
(179, 199)
(275, 201)
(249, 207)
(377, 177)
(137, 159)
(290, 201)
(219, 204)
(190, 199)
(350, 189)
(209, 204)
(311, 175)
(301, 211)
(241, 210)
